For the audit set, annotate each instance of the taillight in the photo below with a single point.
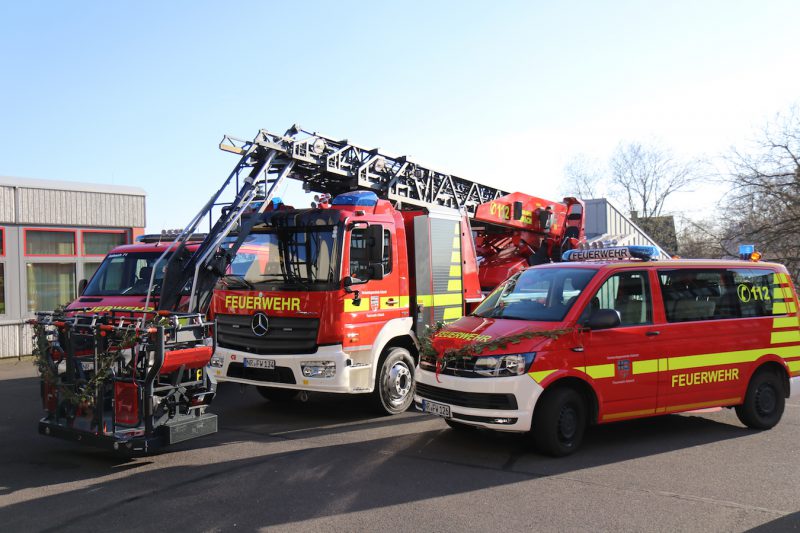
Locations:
(49, 396)
(126, 403)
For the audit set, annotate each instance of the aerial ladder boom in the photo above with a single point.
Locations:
(324, 165)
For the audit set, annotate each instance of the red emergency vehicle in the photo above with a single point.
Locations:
(347, 286)
(558, 347)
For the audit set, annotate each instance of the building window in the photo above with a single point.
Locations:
(49, 242)
(101, 242)
(50, 285)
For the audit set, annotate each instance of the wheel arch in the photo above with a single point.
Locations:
(776, 365)
(582, 387)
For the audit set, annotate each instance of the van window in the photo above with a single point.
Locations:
(629, 294)
(693, 294)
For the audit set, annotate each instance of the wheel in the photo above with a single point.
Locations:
(274, 394)
(764, 402)
(394, 382)
(460, 426)
(559, 422)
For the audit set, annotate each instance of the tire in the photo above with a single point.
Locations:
(559, 422)
(764, 402)
(277, 395)
(394, 382)
(460, 426)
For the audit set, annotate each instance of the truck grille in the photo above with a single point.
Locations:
(477, 400)
(280, 374)
(286, 335)
(463, 367)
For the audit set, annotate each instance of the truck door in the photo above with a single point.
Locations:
(378, 299)
(623, 361)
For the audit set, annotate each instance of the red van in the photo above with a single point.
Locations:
(560, 346)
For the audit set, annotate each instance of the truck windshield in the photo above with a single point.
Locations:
(289, 258)
(536, 294)
(126, 273)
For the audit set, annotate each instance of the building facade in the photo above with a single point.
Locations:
(52, 235)
(606, 222)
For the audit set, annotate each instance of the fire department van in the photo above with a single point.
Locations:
(618, 336)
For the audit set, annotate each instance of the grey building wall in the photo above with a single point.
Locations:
(42, 204)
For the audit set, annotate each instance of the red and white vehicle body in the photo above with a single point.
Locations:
(622, 339)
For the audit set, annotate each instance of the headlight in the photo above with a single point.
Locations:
(504, 365)
(318, 369)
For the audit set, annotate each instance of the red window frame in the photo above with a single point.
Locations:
(2, 242)
(83, 243)
(63, 230)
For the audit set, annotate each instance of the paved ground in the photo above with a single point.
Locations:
(330, 465)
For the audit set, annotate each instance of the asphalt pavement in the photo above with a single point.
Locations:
(330, 464)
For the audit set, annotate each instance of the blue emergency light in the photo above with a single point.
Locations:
(644, 253)
(357, 198)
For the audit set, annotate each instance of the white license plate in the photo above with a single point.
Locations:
(268, 364)
(438, 409)
(87, 365)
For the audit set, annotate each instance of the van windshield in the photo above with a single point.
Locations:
(536, 294)
(126, 274)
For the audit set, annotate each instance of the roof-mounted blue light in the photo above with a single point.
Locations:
(645, 253)
(358, 198)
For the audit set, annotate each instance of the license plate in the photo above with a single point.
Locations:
(87, 365)
(268, 364)
(438, 409)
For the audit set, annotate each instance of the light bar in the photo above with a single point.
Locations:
(645, 253)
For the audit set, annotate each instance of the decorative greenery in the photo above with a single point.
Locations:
(476, 348)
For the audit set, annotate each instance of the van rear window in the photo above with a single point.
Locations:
(712, 294)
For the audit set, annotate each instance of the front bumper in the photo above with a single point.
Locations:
(479, 399)
(794, 387)
(348, 378)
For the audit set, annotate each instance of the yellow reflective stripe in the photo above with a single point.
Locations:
(663, 365)
(794, 366)
(785, 336)
(455, 271)
(701, 405)
(646, 367)
(349, 307)
(454, 285)
(781, 308)
(440, 299)
(452, 313)
(780, 292)
(730, 358)
(783, 277)
(399, 302)
(614, 416)
(541, 375)
(455, 257)
(599, 371)
(457, 227)
(456, 243)
(786, 322)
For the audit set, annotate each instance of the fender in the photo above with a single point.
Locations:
(397, 327)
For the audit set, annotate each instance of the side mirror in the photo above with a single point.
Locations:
(604, 319)
(82, 286)
(375, 243)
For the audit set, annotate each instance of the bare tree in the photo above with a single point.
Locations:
(645, 176)
(583, 178)
(764, 203)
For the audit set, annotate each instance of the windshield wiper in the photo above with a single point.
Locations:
(239, 279)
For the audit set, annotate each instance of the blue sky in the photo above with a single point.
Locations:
(140, 93)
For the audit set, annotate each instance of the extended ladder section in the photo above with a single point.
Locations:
(334, 166)
(324, 165)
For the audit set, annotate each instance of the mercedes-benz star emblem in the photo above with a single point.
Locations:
(260, 324)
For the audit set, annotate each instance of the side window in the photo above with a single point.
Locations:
(359, 253)
(755, 291)
(691, 295)
(629, 294)
(359, 263)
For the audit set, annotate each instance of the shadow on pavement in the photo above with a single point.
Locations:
(273, 487)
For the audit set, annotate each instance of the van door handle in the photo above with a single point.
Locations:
(391, 302)
(653, 333)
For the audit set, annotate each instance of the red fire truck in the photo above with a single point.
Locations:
(348, 286)
(611, 334)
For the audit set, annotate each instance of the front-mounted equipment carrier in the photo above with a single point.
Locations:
(124, 383)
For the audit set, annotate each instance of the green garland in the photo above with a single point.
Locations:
(476, 348)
